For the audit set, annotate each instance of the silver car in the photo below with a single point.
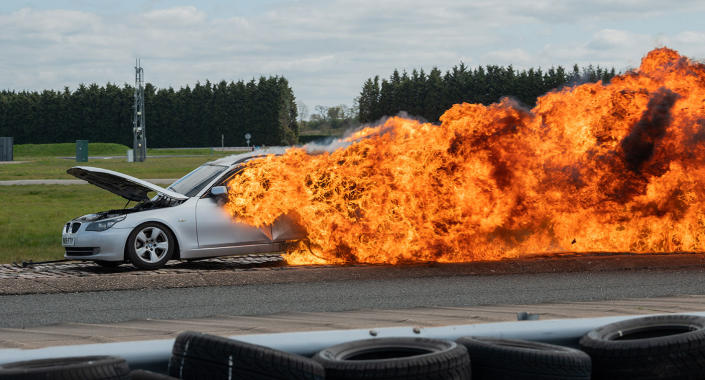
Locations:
(184, 221)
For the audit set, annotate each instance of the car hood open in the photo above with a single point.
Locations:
(123, 185)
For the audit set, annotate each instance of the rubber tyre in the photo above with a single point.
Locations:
(132, 254)
(396, 359)
(203, 356)
(520, 359)
(76, 368)
(659, 347)
(140, 374)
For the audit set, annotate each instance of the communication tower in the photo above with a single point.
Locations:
(139, 142)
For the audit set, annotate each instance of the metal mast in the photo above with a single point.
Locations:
(139, 142)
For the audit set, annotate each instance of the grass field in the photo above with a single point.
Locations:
(32, 151)
(41, 161)
(32, 217)
(153, 167)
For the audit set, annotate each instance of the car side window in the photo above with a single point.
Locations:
(231, 174)
(224, 179)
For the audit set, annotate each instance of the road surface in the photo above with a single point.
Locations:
(333, 293)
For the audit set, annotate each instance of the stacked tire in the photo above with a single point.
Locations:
(468, 357)
(79, 368)
(198, 356)
(659, 347)
(396, 359)
(520, 359)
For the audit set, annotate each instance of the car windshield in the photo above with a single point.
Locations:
(193, 182)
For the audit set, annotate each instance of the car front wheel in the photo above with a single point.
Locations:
(150, 246)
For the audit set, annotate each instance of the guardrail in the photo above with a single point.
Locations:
(154, 354)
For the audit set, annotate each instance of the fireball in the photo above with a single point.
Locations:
(616, 167)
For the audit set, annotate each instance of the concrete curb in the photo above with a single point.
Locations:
(421, 317)
(35, 281)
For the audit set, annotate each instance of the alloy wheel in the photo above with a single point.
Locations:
(151, 244)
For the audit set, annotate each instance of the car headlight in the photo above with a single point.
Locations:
(104, 224)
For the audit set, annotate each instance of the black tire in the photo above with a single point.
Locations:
(143, 245)
(396, 359)
(76, 368)
(108, 264)
(140, 374)
(202, 356)
(659, 347)
(520, 359)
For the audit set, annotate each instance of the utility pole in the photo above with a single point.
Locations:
(139, 142)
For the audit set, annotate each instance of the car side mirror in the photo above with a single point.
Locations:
(219, 191)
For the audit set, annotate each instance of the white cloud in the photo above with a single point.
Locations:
(569, 11)
(178, 17)
(34, 22)
(613, 39)
(328, 48)
(515, 57)
(690, 37)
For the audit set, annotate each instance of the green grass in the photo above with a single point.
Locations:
(66, 149)
(25, 151)
(32, 217)
(153, 167)
(172, 151)
(42, 161)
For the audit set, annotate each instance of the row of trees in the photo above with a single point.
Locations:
(196, 116)
(265, 108)
(328, 120)
(429, 95)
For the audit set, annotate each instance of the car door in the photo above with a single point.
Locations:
(216, 229)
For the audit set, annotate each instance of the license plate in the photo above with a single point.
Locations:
(67, 241)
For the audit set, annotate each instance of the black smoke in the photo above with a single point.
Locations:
(638, 146)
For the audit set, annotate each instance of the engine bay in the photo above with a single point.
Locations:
(157, 202)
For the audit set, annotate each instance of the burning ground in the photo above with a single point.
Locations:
(616, 167)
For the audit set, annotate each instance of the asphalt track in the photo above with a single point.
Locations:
(336, 294)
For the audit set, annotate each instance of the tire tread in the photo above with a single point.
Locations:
(451, 364)
(672, 356)
(491, 358)
(194, 352)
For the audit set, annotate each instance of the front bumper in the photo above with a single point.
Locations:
(108, 245)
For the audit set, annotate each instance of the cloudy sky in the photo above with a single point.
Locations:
(325, 48)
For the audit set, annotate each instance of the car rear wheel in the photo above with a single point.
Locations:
(150, 245)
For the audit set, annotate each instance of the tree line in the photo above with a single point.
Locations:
(187, 117)
(266, 108)
(429, 95)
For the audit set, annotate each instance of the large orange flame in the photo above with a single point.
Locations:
(595, 167)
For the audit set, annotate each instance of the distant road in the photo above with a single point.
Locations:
(123, 156)
(156, 181)
(333, 294)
